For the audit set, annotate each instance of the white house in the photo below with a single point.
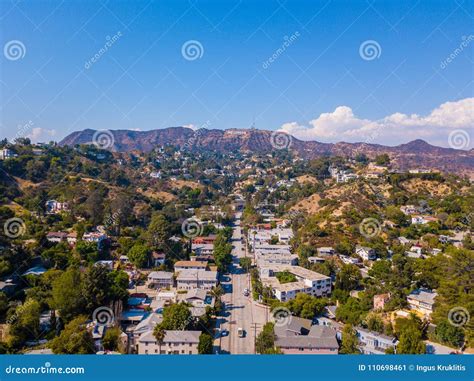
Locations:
(53, 206)
(160, 279)
(6, 153)
(422, 300)
(366, 253)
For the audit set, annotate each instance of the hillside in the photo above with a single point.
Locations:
(415, 154)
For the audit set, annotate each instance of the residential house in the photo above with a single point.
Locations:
(160, 279)
(298, 336)
(56, 236)
(314, 260)
(158, 258)
(366, 253)
(203, 248)
(94, 237)
(422, 301)
(325, 251)
(410, 209)
(188, 265)
(71, 238)
(423, 220)
(53, 206)
(380, 300)
(374, 343)
(349, 260)
(6, 153)
(207, 240)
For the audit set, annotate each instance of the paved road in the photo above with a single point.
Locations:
(240, 311)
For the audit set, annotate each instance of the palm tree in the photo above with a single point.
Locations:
(159, 334)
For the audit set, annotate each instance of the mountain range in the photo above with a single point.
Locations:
(415, 154)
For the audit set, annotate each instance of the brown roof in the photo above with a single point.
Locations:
(190, 264)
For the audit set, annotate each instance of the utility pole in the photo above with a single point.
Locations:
(254, 326)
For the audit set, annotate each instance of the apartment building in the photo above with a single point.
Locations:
(309, 282)
(196, 278)
(174, 342)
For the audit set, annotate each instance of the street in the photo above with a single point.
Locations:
(240, 311)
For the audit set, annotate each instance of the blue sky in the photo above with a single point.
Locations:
(319, 86)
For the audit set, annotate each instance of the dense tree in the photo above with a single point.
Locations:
(139, 255)
(176, 317)
(159, 231)
(265, 341)
(348, 278)
(111, 340)
(350, 341)
(67, 294)
(74, 339)
(409, 332)
(374, 322)
(96, 287)
(245, 263)
(449, 334)
(25, 323)
(306, 306)
(350, 312)
(94, 206)
(410, 342)
(205, 344)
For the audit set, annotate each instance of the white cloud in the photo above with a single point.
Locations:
(343, 125)
(39, 134)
